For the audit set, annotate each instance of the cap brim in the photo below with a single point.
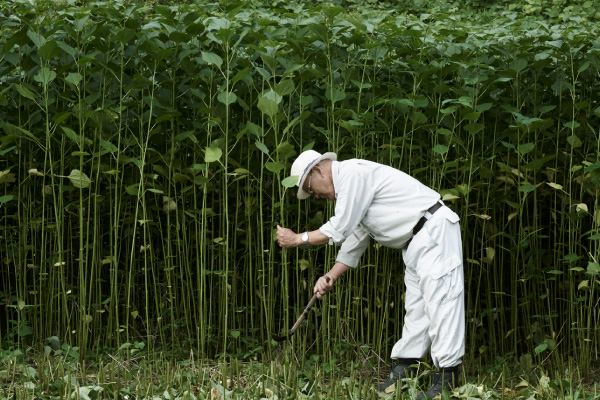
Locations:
(303, 194)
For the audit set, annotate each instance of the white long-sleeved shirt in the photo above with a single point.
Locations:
(374, 200)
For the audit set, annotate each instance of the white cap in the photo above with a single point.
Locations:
(302, 166)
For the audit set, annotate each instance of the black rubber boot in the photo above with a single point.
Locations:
(405, 368)
(444, 379)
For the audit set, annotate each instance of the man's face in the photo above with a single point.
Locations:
(319, 184)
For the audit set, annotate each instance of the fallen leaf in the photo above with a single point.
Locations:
(34, 171)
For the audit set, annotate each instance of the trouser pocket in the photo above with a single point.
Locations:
(448, 279)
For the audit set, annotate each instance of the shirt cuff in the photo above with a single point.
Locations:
(334, 236)
(348, 259)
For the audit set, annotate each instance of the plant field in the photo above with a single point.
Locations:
(143, 158)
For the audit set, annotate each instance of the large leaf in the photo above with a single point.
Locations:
(79, 179)
(267, 106)
(74, 78)
(285, 87)
(108, 146)
(36, 38)
(6, 198)
(227, 97)
(290, 181)
(49, 50)
(45, 76)
(212, 154)
(527, 188)
(212, 58)
(262, 147)
(25, 92)
(274, 166)
(6, 176)
(525, 148)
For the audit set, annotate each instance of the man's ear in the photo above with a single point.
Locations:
(318, 169)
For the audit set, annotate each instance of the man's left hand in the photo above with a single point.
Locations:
(288, 238)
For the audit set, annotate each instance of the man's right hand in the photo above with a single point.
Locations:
(322, 287)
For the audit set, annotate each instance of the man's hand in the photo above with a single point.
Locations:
(322, 287)
(288, 238)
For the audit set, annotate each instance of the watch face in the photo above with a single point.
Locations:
(305, 237)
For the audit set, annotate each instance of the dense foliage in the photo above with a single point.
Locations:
(144, 151)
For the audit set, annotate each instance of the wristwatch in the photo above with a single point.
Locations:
(305, 237)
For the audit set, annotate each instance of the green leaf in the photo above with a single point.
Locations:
(527, 188)
(212, 154)
(541, 348)
(6, 198)
(525, 148)
(472, 116)
(585, 66)
(262, 147)
(66, 48)
(108, 146)
(267, 106)
(133, 189)
(45, 76)
(48, 50)
(264, 73)
(303, 264)
(593, 268)
(240, 75)
(186, 135)
(574, 141)
(417, 117)
(484, 107)
(36, 38)
(30, 373)
(545, 109)
(74, 78)
(274, 166)
(212, 58)
(79, 179)
(285, 87)
(555, 43)
(290, 181)
(227, 97)
(254, 129)
(572, 125)
(527, 121)
(6, 176)
(201, 180)
(25, 331)
(125, 35)
(24, 91)
(125, 346)
(335, 95)
(71, 134)
(440, 149)
(271, 95)
(234, 333)
(518, 65)
(53, 342)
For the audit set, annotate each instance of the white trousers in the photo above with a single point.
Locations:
(434, 300)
